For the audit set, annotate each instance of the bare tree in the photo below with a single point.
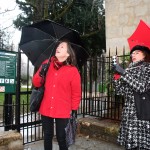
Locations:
(5, 36)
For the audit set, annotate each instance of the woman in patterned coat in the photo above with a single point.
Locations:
(134, 134)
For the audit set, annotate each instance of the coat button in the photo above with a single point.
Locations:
(143, 98)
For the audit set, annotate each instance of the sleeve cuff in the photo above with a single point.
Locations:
(116, 76)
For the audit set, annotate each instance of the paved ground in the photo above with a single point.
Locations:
(82, 143)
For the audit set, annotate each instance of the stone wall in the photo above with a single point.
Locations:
(122, 18)
(11, 140)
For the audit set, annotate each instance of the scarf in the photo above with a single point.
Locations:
(57, 64)
(135, 64)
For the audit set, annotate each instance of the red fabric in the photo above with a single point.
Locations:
(62, 91)
(116, 76)
(57, 64)
(141, 36)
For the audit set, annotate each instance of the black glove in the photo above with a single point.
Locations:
(74, 113)
(43, 70)
(117, 68)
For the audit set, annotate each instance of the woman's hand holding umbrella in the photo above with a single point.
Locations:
(43, 71)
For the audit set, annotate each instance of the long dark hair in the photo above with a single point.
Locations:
(71, 60)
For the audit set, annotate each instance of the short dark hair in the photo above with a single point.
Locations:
(147, 56)
(144, 49)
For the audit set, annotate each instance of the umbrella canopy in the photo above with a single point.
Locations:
(39, 40)
(141, 36)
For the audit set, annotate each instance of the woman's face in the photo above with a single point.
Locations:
(137, 55)
(61, 52)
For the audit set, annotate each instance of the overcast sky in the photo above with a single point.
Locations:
(6, 19)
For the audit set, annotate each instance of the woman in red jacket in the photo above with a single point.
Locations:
(62, 94)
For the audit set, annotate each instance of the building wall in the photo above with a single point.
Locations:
(122, 18)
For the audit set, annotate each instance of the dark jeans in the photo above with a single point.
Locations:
(48, 128)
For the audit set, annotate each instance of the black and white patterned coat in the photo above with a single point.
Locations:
(133, 132)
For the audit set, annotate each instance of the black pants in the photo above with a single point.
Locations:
(48, 128)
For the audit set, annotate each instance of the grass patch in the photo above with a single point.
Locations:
(23, 98)
(2, 97)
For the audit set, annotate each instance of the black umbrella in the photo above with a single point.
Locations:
(39, 40)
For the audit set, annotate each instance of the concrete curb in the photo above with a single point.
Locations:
(106, 130)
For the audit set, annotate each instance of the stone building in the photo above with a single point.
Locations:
(122, 18)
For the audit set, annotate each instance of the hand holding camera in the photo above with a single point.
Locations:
(116, 67)
(115, 60)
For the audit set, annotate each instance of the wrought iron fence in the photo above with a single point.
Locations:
(98, 99)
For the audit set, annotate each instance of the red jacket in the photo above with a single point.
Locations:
(62, 91)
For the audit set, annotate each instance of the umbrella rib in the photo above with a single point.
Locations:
(64, 35)
(80, 46)
(54, 32)
(44, 33)
(47, 48)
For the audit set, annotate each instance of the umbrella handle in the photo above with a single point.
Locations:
(43, 70)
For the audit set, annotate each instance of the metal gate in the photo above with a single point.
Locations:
(28, 123)
(98, 98)
(14, 107)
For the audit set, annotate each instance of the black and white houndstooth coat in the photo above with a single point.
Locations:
(133, 132)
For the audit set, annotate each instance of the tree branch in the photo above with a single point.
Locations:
(65, 10)
(8, 10)
(26, 3)
(90, 34)
(7, 27)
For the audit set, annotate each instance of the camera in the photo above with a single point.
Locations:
(114, 60)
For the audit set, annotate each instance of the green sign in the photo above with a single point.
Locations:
(7, 71)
